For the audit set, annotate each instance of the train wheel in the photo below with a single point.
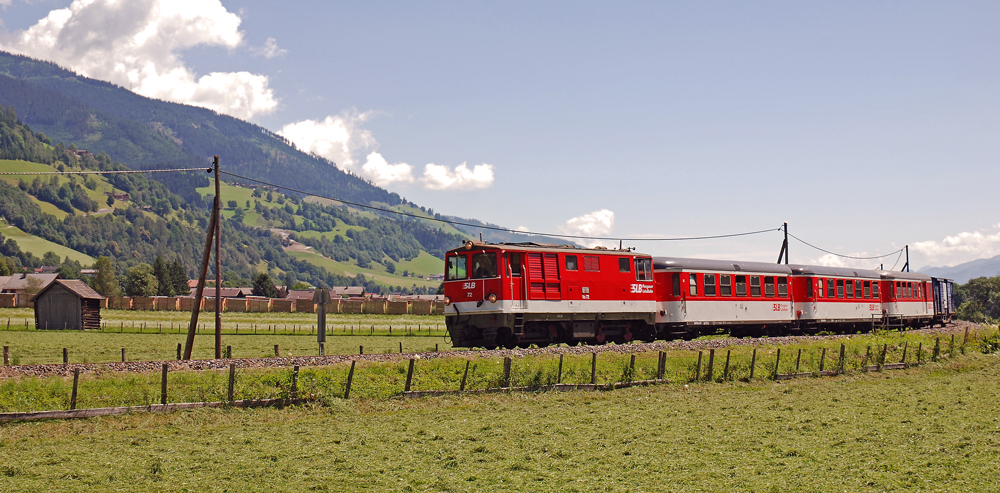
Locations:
(490, 347)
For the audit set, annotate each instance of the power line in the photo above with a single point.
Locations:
(497, 228)
(846, 256)
(115, 172)
(897, 260)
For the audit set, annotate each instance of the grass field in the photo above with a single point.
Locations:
(40, 246)
(929, 428)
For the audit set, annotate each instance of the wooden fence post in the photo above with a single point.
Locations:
(232, 380)
(798, 360)
(906, 345)
(350, 378)
(753, 362)
(822, 360)
(920, 352)
(951, 347)
(711, 364)
(361, 350)
(163, 385)
(123, 355)
(229, 352)
(465, 376)
(6, 355)
(593, 368)
(277, 353)
(76, 382)
(841, 364)
(558, 375)
(506, 372)
(964, 342)
(662, 367)
(178, 351)
(725, 371)
(400, 347)
(295, 380)
(864, 364)
(65, 356)
(937, 349)
(881, 361)
(631, 369)
(322, 348)
(409, 376)
(697, 369)
(777, 362)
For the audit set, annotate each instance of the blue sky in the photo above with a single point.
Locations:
(865, 125)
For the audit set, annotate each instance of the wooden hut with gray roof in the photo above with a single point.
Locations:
(68, 304)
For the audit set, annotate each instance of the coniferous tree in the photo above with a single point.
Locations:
(179, 278)
(164, 283)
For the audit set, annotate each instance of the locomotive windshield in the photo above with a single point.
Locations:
(457, 268)
(484, 265)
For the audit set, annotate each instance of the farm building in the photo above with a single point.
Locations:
(68, 304)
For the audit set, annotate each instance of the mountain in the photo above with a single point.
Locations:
(962, 273)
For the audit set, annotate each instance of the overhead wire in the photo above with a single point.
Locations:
(495, 228)
(846, 256)
(113, 172)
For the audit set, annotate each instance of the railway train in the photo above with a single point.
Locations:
(519, 294)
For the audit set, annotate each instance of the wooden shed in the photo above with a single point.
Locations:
(68, 304)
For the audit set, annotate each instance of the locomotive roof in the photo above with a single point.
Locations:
(820, 270)
(672, 263)
(528, 246)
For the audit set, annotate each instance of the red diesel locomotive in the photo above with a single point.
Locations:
(517, 294)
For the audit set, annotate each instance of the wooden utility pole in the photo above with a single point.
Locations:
(213, 226)
(218, 262)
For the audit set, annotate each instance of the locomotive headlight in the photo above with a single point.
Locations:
(492, 297)
(447, 301)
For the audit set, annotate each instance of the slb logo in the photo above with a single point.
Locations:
(642, 288)
(469, 285)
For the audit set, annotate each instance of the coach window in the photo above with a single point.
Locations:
(571, 262)
(769, 287)
(484, 265)
(892, 290)
(754, 285)
(819, 292)
(514, 263)
(693, 284)
(783, 287)
(831, 289)
(676, 281)
(868, 289)
(858, 291)
(874, 289)
(909, 289)
(741, 285)
(850, 289)
(709, 284)
(457, 267)
(725, 288)
(809, 289)
(840, 288)
(623, 265)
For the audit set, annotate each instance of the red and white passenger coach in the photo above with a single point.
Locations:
(516, 294)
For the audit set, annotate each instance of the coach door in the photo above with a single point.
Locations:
(543, 276)
(515, 274)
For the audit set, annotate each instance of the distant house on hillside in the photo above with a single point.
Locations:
(347, 291)
(122, 196)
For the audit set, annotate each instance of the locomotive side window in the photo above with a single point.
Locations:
(831, 289)
(741, 285)
(571, 262)
(769, 287)
(874, 289)
(709, 284)
(623, 265)
(591, 263)
(457, 267)
(484, 265)
(725, 289)
(676, 281)
(693, 284)
(868, 289)
(849, 291)
(643, 269)
(754, 285)
(514, 262)
(840, 288)
(783, 287)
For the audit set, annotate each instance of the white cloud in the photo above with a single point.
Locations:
(270, 49)
(597, 223)
(385, 174)
(137, 44)
(439, 177)
(959, 248)
(523, 229)
(338, 138)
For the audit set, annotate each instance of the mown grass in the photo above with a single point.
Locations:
(932, 427)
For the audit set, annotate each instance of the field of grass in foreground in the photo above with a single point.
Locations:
(933, 427)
